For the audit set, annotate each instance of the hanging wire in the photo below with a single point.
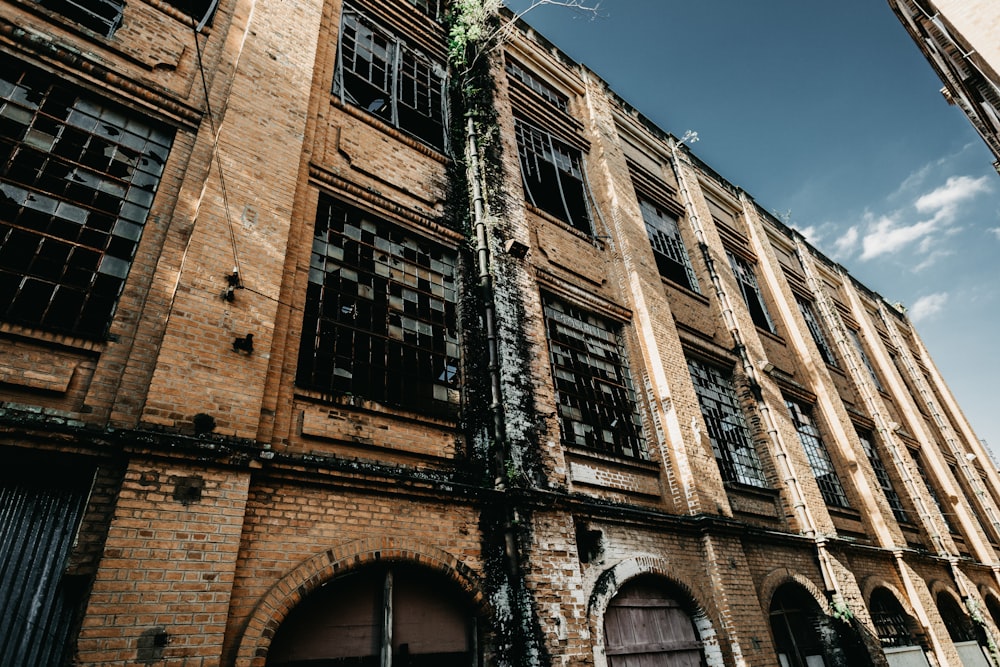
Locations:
(197, 27)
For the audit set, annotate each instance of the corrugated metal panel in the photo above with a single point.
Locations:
(38, 523)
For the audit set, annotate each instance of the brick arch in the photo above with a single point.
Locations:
(936, 586)
(320, 568)
(873, 582)
(611, 581)
(780, 576)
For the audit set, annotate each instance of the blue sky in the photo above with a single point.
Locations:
(829, 116)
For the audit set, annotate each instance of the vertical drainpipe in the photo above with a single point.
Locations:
(862, 380)
(489, 315)
(786, 470)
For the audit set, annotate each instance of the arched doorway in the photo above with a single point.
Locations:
(649, 624)
(962, 631)
(796, 620)
(896, 630)
(389, 615)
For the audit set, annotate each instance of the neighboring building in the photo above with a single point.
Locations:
(959, 40)
(268, 397)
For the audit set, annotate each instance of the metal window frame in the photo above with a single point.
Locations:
(727, 428)
(665, 238)
(882, 475)
(534, 144)
(597, 404)
(78, 186)
(747, 279)
(816, 330)
(400, 55)
(396, 291)
(818, 456)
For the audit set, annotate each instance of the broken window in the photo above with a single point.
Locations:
(381, 74)
(856, 339)
(892, 623)
(727, 430)
(668, 247)
(552, 174)
(380, 316)
(752, 296)
(817, 455)
(101, 16)
(882, 475)
(430, 7)
(597, 406)
(77, 179)
(932, 491)
(816, 330)
(536, 84)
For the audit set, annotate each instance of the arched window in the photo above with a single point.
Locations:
(892, 623)
(959, 625)
(962, 630)
(394, 614)
(647, 625)
(795, 624)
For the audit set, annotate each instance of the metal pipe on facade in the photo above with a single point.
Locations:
(787, 471)
(474, 174)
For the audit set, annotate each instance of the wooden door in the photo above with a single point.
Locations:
(645, 626)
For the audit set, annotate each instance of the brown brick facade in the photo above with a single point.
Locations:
(201, 490)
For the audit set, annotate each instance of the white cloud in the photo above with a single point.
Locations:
(995, 231)
(943, 201)
(927, 305)
(889, 233)
(886, 235)
(811, 233)
(846, 242)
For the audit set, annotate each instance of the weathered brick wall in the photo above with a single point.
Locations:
(163, 587)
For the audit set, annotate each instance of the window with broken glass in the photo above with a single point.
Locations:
(597, 403)
(932, 490)
(101, 16)
(727, 429)
(430, 7)
(882, 475)
(818, 456)
(668, 247)
(552, 174)
(77, 179)
(537, 85)
(856, 339)
(380, 317)
(816, 330)
(752, 295)
(380, 73)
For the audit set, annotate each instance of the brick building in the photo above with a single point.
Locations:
(959, 40)
(311, 356)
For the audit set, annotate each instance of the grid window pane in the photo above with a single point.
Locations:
(76, 183)
(856, 339)
(816, 331)
(882, 475)
(892, 623)
(597, 406)
(380, 316)
(379, 73)
(727, 430)
(532, 81)
(752, 296)
(668, 248)
(552, 174)
(101, 16)
(818, 456)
